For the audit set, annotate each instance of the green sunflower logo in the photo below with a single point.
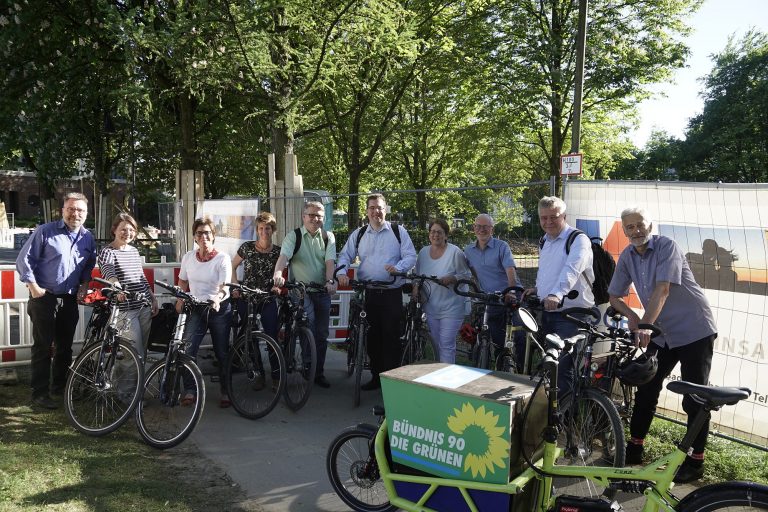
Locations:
(483, 436)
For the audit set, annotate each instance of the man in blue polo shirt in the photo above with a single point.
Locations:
(492, 262)
(676, 304)
(55, 264)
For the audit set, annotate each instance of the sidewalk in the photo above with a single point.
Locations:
(279, 460)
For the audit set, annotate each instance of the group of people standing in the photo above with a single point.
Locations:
(57, 260)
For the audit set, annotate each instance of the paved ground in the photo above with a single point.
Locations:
(279, 460)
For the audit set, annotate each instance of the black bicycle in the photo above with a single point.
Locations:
(256, 369)
(417, 343)
(357, 334)
(174, 390)
(353, 470)
(104, 382)
(298, 344)
(483, 353)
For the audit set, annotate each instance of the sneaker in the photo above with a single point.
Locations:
(634, 454)
(690, 471)
(321, 381)
(44, 401)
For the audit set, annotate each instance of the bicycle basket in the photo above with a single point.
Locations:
(636, 371)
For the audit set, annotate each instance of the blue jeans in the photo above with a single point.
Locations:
(219, 324)
(268, 311)
(317, 305)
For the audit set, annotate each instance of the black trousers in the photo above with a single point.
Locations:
(54, 319)
(385, 317)
(695, 362)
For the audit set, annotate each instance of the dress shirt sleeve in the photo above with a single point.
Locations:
(407, 251)
(577, 261)
(28, 257)
(669, 260)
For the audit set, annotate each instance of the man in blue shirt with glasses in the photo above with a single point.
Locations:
(55, 264)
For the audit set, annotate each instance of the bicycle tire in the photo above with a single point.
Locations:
(255, 385)
(98, 401)
(163, 421)
(354, 473)
(410, 345)
(427, 347)
(351, 345)
(484, 352)
(299, 375)
(596, 437)
(730, 496)
(359, 363)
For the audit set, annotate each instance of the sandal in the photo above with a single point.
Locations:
(188, 399)
(224, 401)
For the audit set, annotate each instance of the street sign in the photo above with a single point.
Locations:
(570, 165)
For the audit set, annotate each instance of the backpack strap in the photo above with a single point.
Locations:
(395, 231)
(360, 233)
(571, 237)
(297, 245)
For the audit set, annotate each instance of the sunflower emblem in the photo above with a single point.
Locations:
(484, 437)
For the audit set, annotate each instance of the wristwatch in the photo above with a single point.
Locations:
(330, 281)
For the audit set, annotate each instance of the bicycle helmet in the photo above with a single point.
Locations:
(639, 370)
(468, 333)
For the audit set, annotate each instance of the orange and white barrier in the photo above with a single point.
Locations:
(16, 327)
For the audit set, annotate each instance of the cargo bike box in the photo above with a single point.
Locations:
(459, 423)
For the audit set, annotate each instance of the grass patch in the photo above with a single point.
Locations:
(47, 465)
(725, 460)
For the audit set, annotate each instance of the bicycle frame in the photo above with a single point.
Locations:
(654, 480)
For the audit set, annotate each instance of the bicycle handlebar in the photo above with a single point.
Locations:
(117, 288)
(181, 294)
(246, 289)
(492, 298)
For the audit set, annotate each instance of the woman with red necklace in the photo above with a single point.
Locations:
(203, 274)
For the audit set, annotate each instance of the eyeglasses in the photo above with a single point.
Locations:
(75, 210)
(376, 208)
(482, 227)
(207, 234)
(314, 215)
(436, 232)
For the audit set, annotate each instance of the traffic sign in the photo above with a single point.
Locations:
(570, 165)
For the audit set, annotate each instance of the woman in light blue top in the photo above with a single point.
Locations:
(445, 309)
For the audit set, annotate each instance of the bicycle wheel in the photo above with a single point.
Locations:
(300, 367)
(409, 342)
(359, 363)
(255, 375)
(729, 496)
(484, 351)
(506, 362)
(426, 346)
(163, 417)
(354, 473)
(593, 436)
(102, 388)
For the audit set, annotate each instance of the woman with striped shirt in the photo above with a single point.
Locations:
(120, 262)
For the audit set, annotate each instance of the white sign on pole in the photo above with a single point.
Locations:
(570, 165)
